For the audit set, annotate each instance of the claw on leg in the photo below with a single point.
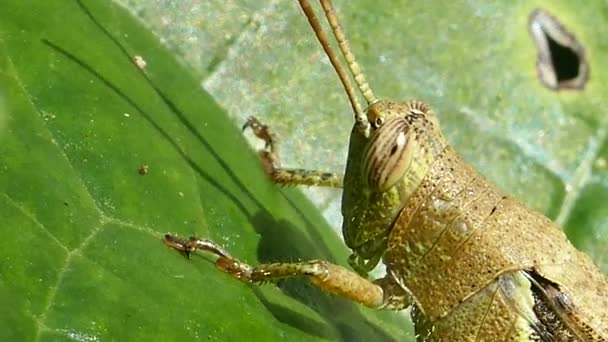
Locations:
(224, 261)
(261, 131)
(268, 155)
(192, 244)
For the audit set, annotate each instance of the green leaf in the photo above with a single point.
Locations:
(82, 257)
(82, 253)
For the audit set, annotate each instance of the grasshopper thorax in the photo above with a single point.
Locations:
(382, 171)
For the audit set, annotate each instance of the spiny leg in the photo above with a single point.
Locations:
(327, 276)
(272, 166)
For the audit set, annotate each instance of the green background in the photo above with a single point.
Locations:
(81, 252)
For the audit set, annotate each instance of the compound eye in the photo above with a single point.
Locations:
(378, 122)
(388, 154)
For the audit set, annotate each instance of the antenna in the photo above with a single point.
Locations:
(360, 117)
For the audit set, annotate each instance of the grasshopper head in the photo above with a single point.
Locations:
(392, 146)
(382, 171)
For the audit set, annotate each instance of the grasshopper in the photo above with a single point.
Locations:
(472, 262)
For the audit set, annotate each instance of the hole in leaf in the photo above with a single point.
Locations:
(560, 61)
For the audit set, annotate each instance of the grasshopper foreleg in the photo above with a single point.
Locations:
(327, 276)
(272, 165)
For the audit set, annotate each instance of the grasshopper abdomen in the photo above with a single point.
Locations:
(459, 240)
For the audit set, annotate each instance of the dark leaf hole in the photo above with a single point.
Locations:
(565, 61)
(560, 61)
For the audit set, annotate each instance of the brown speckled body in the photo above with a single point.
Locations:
(460, 246)
(458, 234)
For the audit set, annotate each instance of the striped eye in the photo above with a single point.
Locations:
(378, 122)
(387, 155)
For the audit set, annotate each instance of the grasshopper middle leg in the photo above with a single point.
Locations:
(327, 276)
(272, 166)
